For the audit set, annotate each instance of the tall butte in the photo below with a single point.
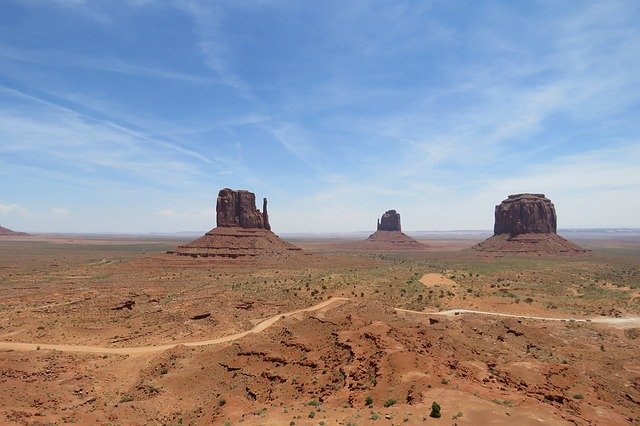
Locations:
(526, 223)
(242, 230)
(389, 235)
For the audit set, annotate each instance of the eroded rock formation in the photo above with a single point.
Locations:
(389, 236)
(390, 221)
(242, 230)
(526, 223)
(524, 214)
(238, 208)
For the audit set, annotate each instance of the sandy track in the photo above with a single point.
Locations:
(620, 322)
(263, 325)
(141, 350)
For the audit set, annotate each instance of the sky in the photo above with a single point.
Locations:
(130, 115)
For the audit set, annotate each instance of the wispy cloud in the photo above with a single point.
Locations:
(6, 209)
(208, 18)
(59, 211)
(109, 64)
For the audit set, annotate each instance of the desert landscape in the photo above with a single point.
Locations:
(303, 213)
(125, 330)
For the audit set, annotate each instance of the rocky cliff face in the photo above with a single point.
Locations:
(390, 221)
(242, 231)
(524, 214)
(238, 208)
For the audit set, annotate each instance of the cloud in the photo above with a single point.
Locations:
(58, 211)
(216, 52)
(6, 209)
(166, 213)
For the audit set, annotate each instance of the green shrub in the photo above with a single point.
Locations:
(435, 410)
(389, 402)
(368, 401)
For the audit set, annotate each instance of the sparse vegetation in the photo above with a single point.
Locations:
(126, 398)
(435, 410)
(504, 402)
(389, 402)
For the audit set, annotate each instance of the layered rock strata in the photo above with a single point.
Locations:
(526, 223)
(242, 230)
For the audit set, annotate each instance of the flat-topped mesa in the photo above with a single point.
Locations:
(390, 221)
(525, 214)
(526, 223)
(238, 208)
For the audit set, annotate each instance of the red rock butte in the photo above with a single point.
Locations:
(389, 235)
(242, 230)
(6, 232)
(526, 223)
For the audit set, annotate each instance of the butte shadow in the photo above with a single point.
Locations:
(526, 223)
(241, 231)
(389, 236)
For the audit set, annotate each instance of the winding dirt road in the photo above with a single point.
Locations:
(142, 350)
(263, 325)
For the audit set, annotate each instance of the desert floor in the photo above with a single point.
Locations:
(111, 330)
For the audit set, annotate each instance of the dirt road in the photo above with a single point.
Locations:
(263, 325)
(619, 322)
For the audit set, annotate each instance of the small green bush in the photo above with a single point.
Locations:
(368, 401)
(435, 410)
(389, 402)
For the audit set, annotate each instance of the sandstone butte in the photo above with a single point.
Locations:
(389, 235)
(242, 230)
(5, 232)
(526, 223)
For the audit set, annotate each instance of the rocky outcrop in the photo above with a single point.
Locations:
(6, 232)
(524, 214)
(242, 230)
(526, 223)
(238, 208)
(390, 221)
(389, 236)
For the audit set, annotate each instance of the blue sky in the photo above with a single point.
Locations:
(130, 115)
